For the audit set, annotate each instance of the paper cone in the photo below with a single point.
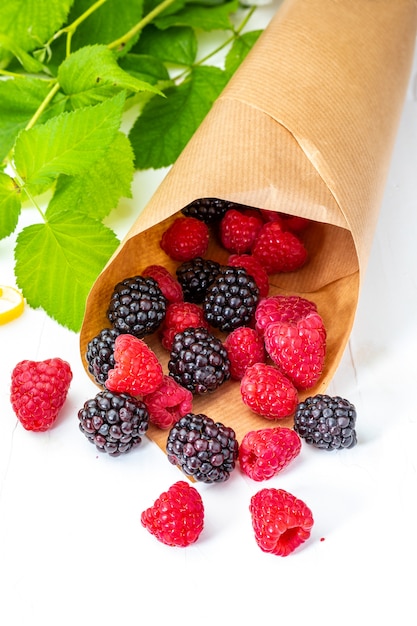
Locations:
(306, 126)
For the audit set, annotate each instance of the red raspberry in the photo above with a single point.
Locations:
(254, 268)
(287, 222)
(238, 230)
(169, 285)
(278, 250)
(298, 348)
(137, 370)
(179, 316)
(245, 347)
(266, 452)
(281, 309)
(185, 238)
(177, 517)
(168, 403)
(281, 522)
(267, 392)
(38, 391)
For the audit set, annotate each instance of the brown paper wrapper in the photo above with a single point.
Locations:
(306, 126)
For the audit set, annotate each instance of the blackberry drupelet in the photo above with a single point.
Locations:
(326, 422)
(195, 277)
(231, 299)
(100, 354)
(114, 422)
(202, 448)
(137, 306)
(208, 210)
(198, 361)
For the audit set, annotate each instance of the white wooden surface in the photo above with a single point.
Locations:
(72, 550)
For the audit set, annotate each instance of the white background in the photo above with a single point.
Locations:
(72, 549)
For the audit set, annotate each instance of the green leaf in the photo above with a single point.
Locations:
(109, 22)
(30, 23)
(29, 63)
(206, 18)
(92, 75)
(10, 205)
(145, 67)
(240, 48)
(19, 99)
(165, 126)
(58, 262)
(98, 191)
(69, 143)
(177, 44)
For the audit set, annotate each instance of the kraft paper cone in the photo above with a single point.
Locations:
(306, 126)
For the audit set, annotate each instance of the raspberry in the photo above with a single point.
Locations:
(245, 347)
(176, 518)
(168, 403)
(231, 299)
(198, 361)
(185, 238)
(238, 231)
(38, 391)
(278, 250)
(254, 269)
(298, 348)
(281, 522)
(137, 370)
(267, 392)
(137, 306)
(195, 277)
(100, 354)
(326, 422)
(266, 452)
(179, 316)
(114, 422)
(287, 222)
(282, 309)
(202, 448)
(208, 210)
(169, 286)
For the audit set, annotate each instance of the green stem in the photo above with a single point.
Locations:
(43, 105)
(21, 184)
(120, 43)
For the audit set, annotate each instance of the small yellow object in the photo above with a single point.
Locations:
(11, 304)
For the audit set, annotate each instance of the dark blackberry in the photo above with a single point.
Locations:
(208, 210)
(231, 299)
(137, 306)
(198, 361)
(202, 448)
(195, 277)
(114, 422)
(100, 354)
(326, 422)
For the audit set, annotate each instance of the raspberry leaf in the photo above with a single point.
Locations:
(199, 16)
(166, 125)
(28, 22)
(92, 75)
(69, 143)
(240, 48)
(177, 44)
(10, 205)
(88, 193)
(51, 267)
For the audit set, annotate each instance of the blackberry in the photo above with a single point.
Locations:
(231, 299)
(114, 422)
(100, 354)
(208, 210)
(198, 361)
(137, 306)
(202, 448)
(326, 422)
(195, 277)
